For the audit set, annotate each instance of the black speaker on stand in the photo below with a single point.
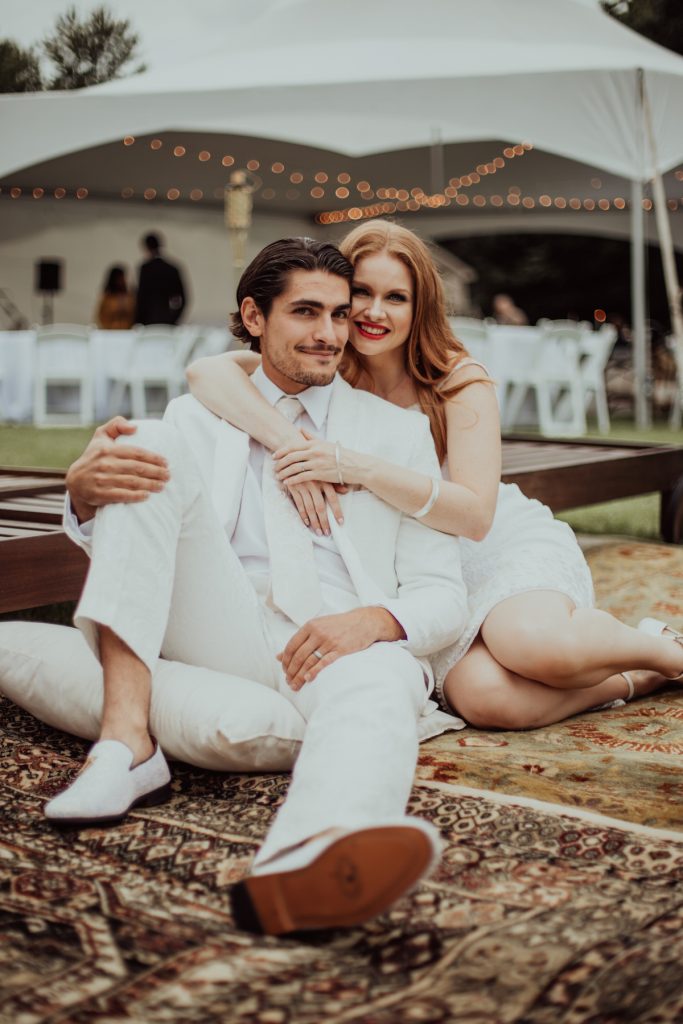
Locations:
(48, 281)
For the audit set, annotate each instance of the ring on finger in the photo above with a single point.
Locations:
(317, 654)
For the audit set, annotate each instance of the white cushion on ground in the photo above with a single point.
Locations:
(203, 717)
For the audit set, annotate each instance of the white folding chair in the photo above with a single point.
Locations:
(63, 360)
(158, 358)
(474, 335)
(533, 361)
(212, 341)
(595, 348)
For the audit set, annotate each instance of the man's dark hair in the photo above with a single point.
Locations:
(152, 242)
(266, 276)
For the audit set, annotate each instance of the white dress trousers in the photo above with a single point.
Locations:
(164, 577)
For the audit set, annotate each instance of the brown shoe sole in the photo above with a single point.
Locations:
(357, 877)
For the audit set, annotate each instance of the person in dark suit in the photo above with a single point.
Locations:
(161, 293)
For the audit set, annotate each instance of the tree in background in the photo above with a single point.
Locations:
(81, 52)
(91, 51)
(19, 68)
(659, 20)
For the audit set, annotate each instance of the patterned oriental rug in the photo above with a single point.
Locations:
(538, 914)
(626, 763)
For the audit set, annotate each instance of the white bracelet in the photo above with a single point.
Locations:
(337, 456)
(431, 500)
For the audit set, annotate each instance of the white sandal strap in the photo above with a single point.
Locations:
(631, 686)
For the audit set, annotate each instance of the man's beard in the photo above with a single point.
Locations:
(303, 375)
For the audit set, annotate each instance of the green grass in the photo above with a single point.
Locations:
(57, 447)
(52, 447)
(630, 517)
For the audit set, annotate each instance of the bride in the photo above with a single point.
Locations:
(535, 649)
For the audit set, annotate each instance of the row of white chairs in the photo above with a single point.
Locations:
(155, 357)
(561, 363)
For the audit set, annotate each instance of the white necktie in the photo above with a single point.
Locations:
(295, 587)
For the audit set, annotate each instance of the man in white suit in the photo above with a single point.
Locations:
(217, 570)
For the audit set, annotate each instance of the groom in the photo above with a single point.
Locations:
(217, 570)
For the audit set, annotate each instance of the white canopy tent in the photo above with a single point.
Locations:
(368, 78)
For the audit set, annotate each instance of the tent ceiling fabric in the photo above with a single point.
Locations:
(562, 74)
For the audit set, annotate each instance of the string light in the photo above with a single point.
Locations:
(394, 199)
(391, 198)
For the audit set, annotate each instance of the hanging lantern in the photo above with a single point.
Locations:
(238, 205)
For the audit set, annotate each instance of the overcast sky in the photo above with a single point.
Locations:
(169, 31)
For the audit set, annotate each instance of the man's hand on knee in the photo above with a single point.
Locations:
(321, 641)
(107, 472)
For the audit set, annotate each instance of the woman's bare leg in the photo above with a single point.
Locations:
(489, 696)
(553, 661)
(541, 635)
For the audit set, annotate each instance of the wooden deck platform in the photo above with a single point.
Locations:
(38, 565)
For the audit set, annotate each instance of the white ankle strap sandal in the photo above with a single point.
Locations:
(655, 627)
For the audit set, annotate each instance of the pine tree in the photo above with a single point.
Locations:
(19, 69)
(91, 51)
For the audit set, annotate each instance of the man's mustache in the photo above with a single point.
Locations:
(332, 349)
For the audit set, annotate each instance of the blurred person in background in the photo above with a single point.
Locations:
(116, 307)
(161, 291)
(506, 312)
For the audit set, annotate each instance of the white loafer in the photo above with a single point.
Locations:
(655, 627)
(106, 787)
(339, 879)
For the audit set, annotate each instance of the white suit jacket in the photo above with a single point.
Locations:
(393, 560)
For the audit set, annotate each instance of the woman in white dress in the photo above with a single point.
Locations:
(535, 649)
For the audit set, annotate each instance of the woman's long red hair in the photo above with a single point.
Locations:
(432, 350)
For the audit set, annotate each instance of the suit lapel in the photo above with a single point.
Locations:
(230, 458)
(345, 423)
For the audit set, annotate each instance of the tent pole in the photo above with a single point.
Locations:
(673, 288)
(437, 168)
(641, 360)
(640, 375)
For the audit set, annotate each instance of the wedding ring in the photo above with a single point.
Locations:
(317, 654)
